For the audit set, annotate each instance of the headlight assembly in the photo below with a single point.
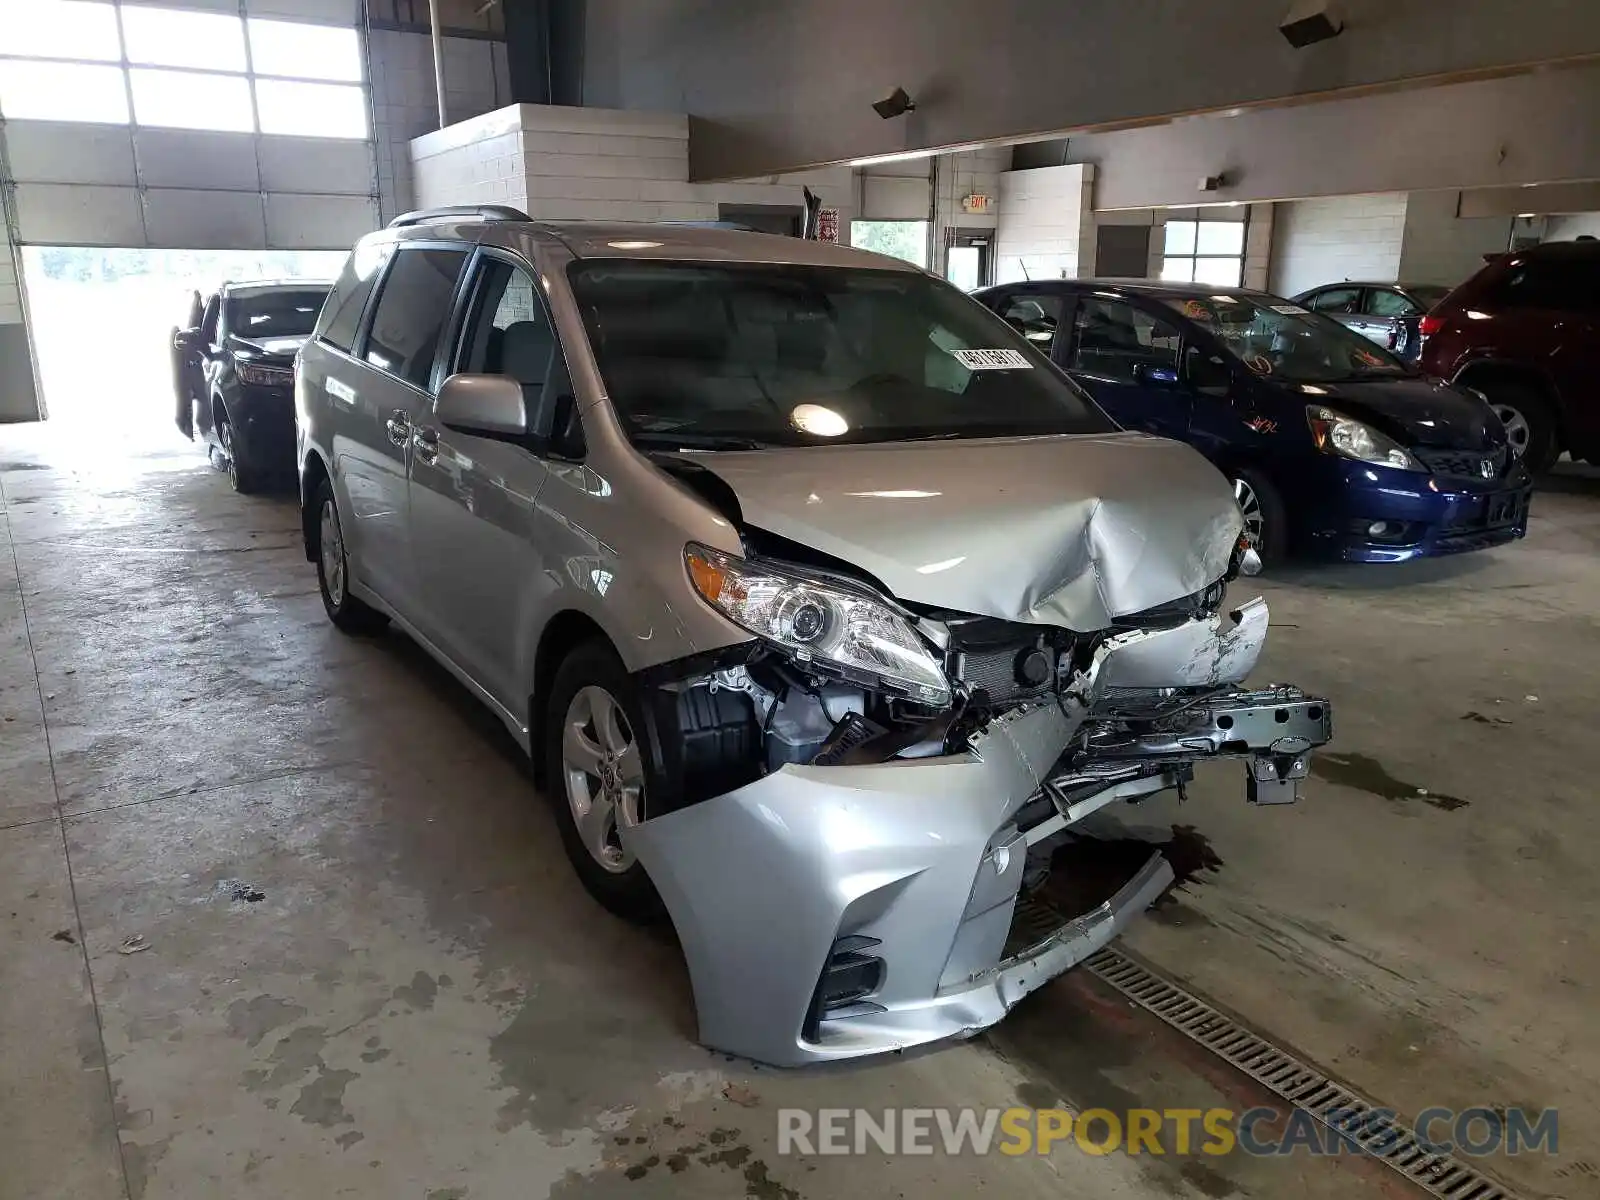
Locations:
(1347, 437)
(258, 375)
(818, 621)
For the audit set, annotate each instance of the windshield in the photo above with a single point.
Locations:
(710, 355)
(274, 314)
(1283, 341)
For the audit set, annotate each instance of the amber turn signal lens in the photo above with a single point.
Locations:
(708, 578)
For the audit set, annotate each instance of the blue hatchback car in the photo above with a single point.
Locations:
(1334, 446)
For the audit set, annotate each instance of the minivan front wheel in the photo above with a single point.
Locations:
(1265, 522)
(333, 570)
(595, 756)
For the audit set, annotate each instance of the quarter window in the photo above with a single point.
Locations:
(1111, 340)
(413, 307)
(341, 313)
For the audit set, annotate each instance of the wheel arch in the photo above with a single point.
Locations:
(312, 474)
(1486, 372)
(565, 630)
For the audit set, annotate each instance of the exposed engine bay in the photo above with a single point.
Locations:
(856, 811)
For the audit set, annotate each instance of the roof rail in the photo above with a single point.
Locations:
(485, 212)
(735, 225)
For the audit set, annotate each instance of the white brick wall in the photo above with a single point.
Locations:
(559, 163)
(1045, 225)
(960, 175)
(1571, 226)
(1442, 248)
(1343, 237)
(404, 103)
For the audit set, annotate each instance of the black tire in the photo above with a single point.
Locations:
(1266, 519)
(625, 888)
(1538, 437)
(346, 612)
(242, 473)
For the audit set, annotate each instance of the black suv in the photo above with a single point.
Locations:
(234, 375)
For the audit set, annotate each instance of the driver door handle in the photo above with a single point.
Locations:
(399, 427)
(425, 442)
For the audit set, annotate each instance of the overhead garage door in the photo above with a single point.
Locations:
(204, 124)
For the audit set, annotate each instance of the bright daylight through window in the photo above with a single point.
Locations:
(1204, 252)
(68, 60)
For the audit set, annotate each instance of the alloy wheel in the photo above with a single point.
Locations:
(604, 775)
(225, 436)
(331, 547)
(1255, 519)
(1517, 431)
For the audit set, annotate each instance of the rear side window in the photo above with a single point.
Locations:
(1567, 285)
(341, 313)
(413, 308)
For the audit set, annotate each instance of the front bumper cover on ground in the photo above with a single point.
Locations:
(907, 873)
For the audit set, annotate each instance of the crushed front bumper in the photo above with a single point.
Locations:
(834, 912)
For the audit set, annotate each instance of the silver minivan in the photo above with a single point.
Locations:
(826, 607)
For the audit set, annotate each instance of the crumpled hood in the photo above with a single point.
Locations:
(1419, 412)
(1069, 531)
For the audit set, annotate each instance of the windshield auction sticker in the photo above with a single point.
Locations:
(992, 360)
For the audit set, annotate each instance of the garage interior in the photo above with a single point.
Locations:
(282, 912)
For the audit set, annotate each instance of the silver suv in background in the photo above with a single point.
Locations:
(825, 605)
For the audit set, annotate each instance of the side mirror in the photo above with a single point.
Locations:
(488, 406)
(1153, 376)
(185, 339)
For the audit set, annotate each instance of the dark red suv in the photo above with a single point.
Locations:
(1525, 331)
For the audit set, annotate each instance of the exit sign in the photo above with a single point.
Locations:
(978, 202)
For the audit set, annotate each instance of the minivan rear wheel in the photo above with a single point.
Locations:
(596, 770)
(333, 570)
(1530, 423)
(1265, 521)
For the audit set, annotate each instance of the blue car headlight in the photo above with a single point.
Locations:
(1347, 437)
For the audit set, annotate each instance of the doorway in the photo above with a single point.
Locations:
(103, 321)
(968, 257)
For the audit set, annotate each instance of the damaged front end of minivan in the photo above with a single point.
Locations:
(870, 791)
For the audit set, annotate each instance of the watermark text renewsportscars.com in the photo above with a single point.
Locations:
(1262, 1132)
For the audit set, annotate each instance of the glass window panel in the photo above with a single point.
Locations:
(312, 109)
(170, 37)
(44, 91)
(1224, 272)
(304, 51)
(60, 29)
(1177, 270)
(184, 100)
(1180, 237)
(412, 309)
(1220, 237)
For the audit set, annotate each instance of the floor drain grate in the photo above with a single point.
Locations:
(1301, 1084)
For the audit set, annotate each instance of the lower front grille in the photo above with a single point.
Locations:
(1464, 464)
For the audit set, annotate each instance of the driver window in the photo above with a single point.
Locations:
(1034, 317)
(508, 332)
(1112, 339)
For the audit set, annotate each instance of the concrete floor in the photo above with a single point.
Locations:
(363, 967)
